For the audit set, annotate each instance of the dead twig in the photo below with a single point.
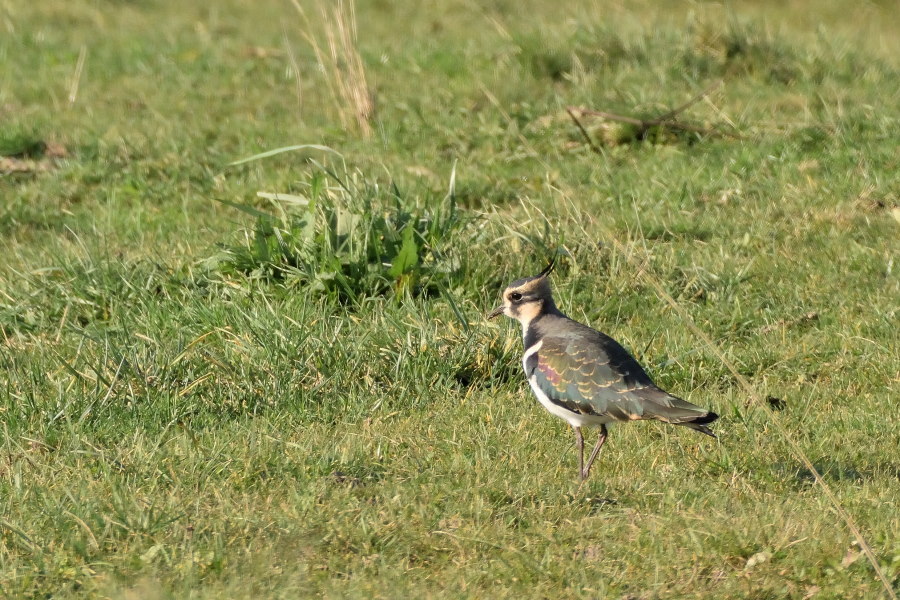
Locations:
(584, 133)
(677, 111)
(667, 119)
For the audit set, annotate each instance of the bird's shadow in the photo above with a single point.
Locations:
(595, 502)
(599, 503)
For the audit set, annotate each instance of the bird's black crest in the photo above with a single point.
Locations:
(547, 269)
(541, 275)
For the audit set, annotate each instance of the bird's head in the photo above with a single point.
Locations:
(525, 299)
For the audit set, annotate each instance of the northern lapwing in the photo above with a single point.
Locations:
(584, 376)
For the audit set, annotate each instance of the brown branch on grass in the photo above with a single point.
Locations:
(648, 123)
(677, 111)
(667, 119)
(584, 133)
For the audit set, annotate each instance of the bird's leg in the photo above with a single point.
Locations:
(600, 441)
(579, 443)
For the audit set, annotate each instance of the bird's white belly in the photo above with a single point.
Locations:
(573, 418)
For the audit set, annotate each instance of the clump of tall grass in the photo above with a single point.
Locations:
(339, 60)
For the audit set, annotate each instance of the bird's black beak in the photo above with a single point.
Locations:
(496, 312)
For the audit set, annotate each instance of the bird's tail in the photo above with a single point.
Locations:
(699, 424)
(672, 409)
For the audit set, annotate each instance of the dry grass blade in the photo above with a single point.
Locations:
(342, 64)
(76, 77)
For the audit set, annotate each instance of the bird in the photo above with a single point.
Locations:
(582, 375)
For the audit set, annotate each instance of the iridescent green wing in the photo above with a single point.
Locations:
(589, 373)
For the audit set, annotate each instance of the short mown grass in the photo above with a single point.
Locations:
(209, 393)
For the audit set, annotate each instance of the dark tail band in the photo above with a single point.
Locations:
(699, 424)
(707, 418)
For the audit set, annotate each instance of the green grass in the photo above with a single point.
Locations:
(306, 401)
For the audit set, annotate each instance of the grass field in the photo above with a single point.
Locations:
(209, 394)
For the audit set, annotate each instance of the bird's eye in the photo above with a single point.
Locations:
(515, 296)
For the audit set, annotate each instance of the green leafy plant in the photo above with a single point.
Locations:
(349, 238)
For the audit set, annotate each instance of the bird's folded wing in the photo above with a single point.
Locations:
(591, 375)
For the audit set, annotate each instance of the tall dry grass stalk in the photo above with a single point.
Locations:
(341, 64)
